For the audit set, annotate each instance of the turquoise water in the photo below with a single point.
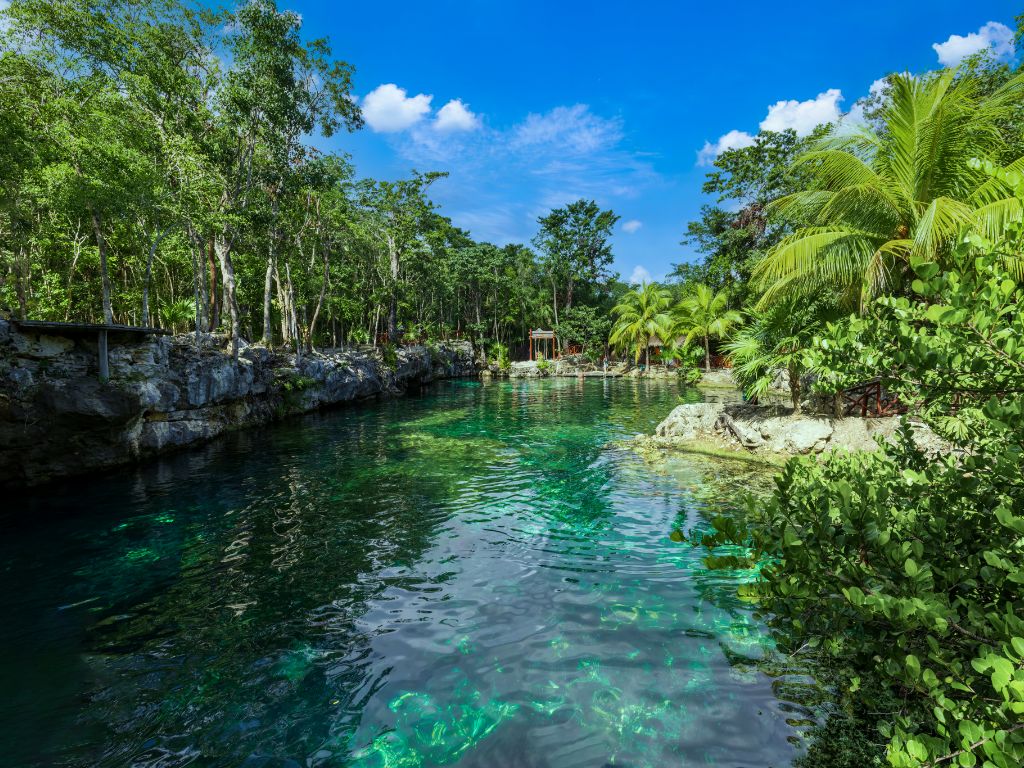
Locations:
(475, 576)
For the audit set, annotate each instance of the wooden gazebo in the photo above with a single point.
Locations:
(539, 335)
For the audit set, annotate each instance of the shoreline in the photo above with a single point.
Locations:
(59, 419)
(773, 433)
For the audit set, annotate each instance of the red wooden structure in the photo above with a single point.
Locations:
(870, 400)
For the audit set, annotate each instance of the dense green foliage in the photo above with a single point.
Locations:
(159, 154)
(705, 315)
(880, 195)
(734, 238)
(773, 340)
(641, 314)
(908, 567)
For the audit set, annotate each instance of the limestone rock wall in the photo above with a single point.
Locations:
(57, 418)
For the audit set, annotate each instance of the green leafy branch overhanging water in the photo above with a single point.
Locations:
(903, 568)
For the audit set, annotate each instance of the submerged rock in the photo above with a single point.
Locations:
(57, 418)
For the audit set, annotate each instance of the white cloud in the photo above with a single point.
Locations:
(632, 226)
(388, 109)
(803, 116)
(800, 116)
(509, 175)
(639, 276)
(730, 140)
(576, 129)
(856, 113)
(877, 88)
(456, 116)
(995, 36)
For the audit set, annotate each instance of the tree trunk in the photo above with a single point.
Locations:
(794, 388)
(101, 243)
(21, 280)
(707, 354)
(393, 303)
(393, 317)
(837, 404)
(227, 269)
(149, 274)
(319, 302)
(215, 305)
(199, 280)
(291, 310)
(268, 285)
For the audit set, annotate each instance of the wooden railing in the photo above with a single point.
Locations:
(871, 400)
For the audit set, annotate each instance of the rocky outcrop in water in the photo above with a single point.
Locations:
(57, 417)
(776, 430)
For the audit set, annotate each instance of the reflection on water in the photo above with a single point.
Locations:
(473, 577)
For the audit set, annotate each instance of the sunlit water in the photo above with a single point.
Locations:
(474, 576)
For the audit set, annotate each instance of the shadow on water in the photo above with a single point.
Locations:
(472, 576)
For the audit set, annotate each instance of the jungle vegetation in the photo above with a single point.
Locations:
(158, 166)
(889, 249)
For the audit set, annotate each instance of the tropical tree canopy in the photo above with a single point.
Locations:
(906, 185)
(641, 313)
(705, 314)
(773, 340)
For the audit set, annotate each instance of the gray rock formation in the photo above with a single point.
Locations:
(528, 369)
(57, 418)
(690, 421)
(770, 429)
(717, 378)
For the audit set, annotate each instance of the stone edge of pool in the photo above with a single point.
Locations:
(58, 418)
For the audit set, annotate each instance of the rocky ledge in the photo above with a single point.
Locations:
(574, 366)
(775, 430)
(57, 418)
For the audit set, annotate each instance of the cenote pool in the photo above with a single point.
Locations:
(473, 576)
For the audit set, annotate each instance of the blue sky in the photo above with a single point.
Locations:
(530, 105)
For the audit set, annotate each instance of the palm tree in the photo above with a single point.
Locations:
(176, 313)
(705, 314)
(773, 340)
(641, 313)
(908, 187)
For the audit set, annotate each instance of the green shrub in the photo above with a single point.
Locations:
(907, 568)
(544, 366)
(689, 358)
(501, 357)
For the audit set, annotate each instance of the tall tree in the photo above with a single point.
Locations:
(575, 245)
(395, 216)
(277, 89)
(882, 193)
(705, 314)
(641, 313)
(733, 233)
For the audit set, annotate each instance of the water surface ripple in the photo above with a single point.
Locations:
(475, 576)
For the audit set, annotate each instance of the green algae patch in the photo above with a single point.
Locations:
(655, 450)
(443, 418)
(475, 450)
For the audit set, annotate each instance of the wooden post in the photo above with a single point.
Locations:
(529, 342)
(104, 362)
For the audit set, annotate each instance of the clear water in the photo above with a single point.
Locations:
(474, 576)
